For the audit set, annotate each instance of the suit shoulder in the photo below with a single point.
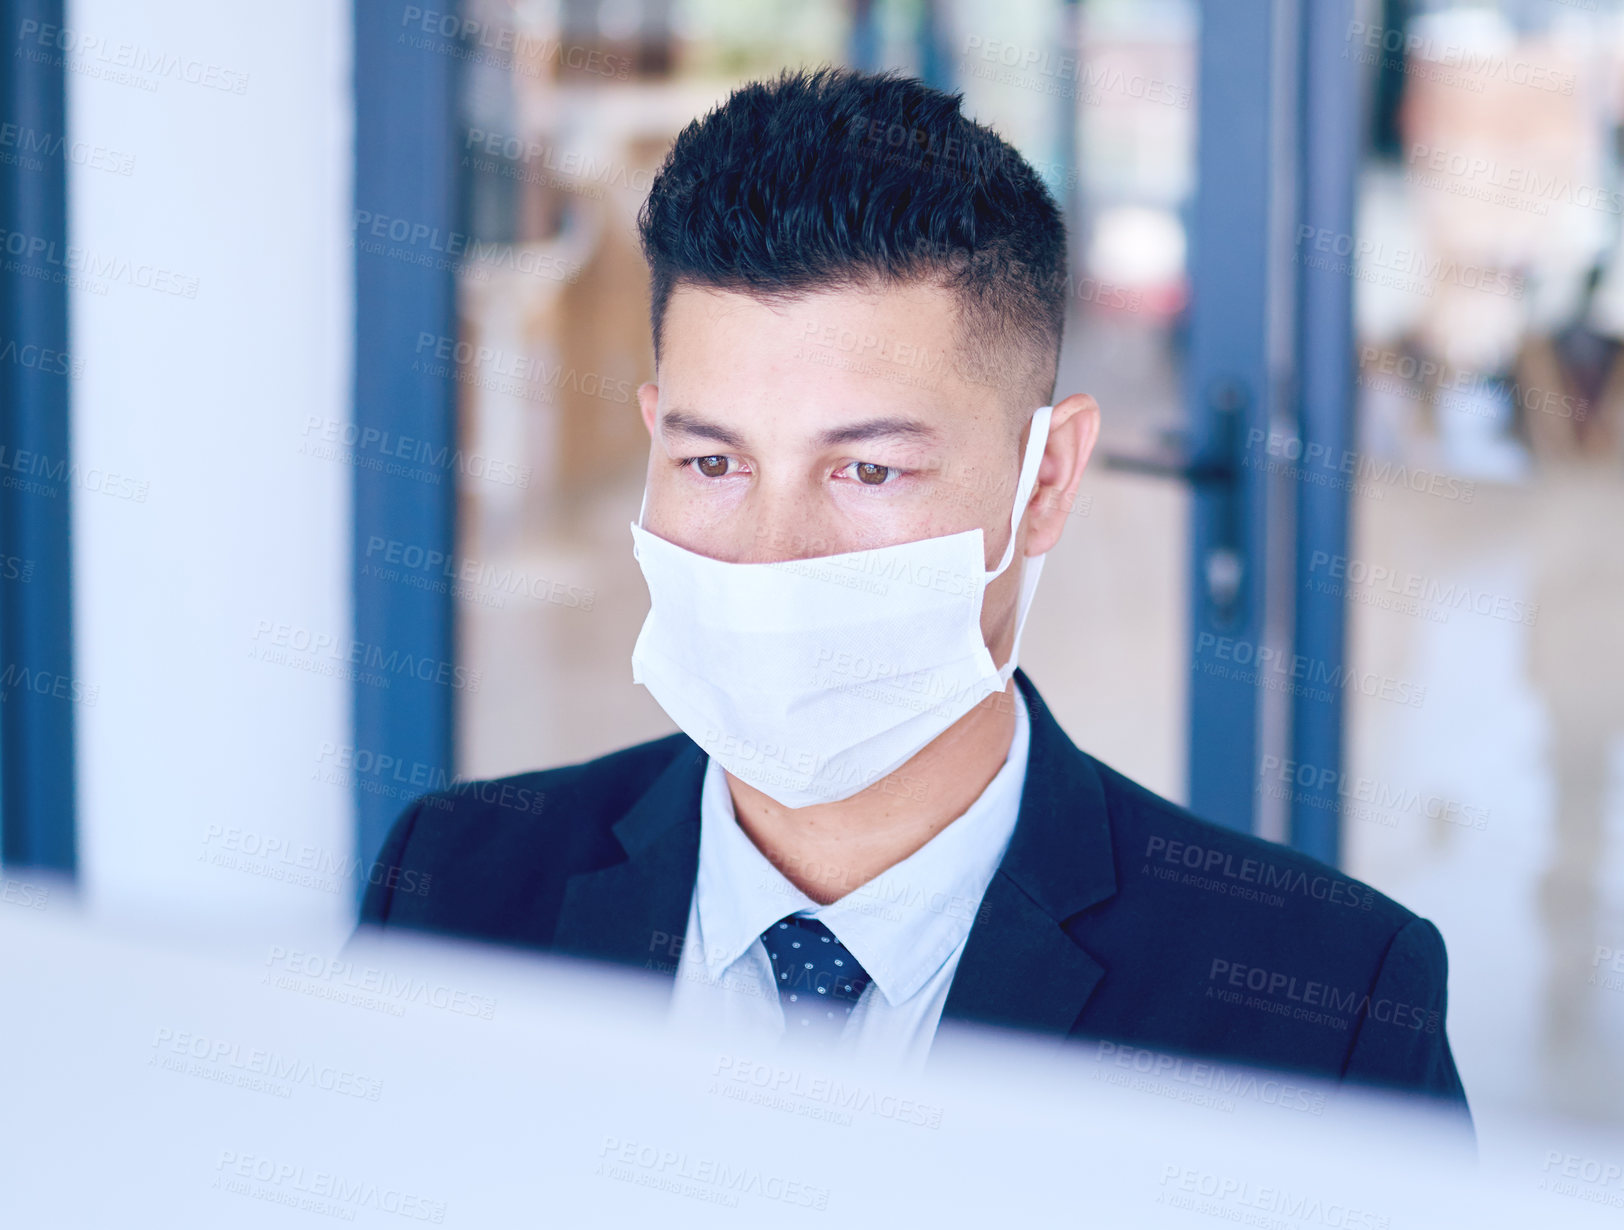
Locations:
(566, 812)
(1158, 842)
(1218, 943)
(482, 855)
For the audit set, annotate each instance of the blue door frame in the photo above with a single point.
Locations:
(1270, 376)
(1331, 90)
(1232, 393)
(406, 236)
(37, 683)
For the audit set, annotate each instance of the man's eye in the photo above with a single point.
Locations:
(871, 475)
(713, 466)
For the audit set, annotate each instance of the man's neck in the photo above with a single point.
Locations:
(830, 849)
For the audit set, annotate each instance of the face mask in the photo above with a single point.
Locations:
(811, 679)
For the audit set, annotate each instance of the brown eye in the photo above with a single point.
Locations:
(713, 466)
(873, 475)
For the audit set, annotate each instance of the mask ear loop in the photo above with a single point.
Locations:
(1036, 441)
(1034, 566)
(637, 526)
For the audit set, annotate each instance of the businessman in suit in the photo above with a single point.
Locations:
(870, 824)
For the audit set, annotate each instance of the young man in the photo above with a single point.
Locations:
(871, 824)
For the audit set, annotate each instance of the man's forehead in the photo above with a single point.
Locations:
(843, 365)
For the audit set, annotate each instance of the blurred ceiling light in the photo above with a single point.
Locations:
(620, 20)
(1444, 35)
(1137, 246)
(536, 14)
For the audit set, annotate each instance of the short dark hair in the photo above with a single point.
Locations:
(836, 178)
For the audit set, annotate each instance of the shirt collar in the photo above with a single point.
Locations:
(739, 894)
(903, 924)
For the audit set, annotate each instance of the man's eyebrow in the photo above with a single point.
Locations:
(682, 422)
(878, 429)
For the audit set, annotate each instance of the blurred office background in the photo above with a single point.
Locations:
(1477, 763)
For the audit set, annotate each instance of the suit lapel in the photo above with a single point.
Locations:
(635, 912)
(1020, 968)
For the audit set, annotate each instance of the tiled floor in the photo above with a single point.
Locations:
(1512, 842)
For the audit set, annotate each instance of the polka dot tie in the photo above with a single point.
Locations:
(819, 982)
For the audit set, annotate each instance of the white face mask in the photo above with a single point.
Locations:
(811, 679)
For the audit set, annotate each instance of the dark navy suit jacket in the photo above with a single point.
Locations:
(1115, 915)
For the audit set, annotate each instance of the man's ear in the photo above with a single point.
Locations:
(1074, 426)
(648, 400)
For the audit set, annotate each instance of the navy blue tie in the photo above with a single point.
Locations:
(819, 981)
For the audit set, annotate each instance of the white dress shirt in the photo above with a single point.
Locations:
(907, 926)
